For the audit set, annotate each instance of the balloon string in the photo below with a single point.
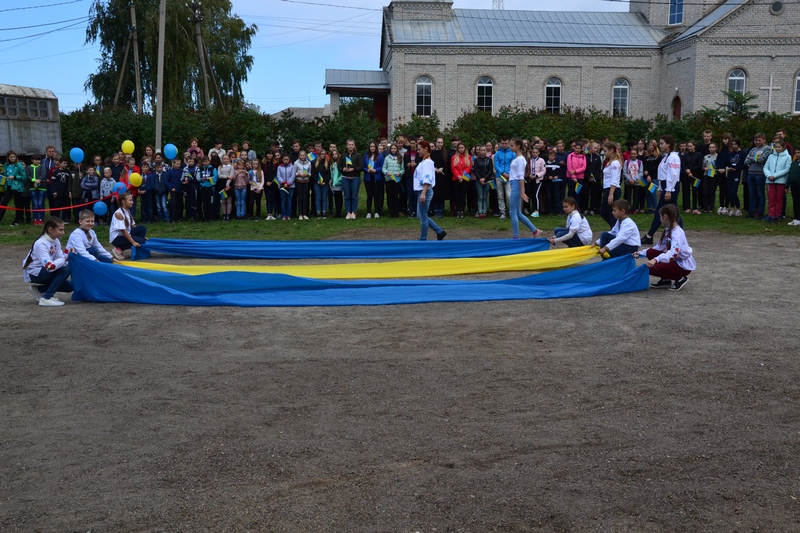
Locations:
(112, 195)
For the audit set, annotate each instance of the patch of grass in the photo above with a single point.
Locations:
(334, 228)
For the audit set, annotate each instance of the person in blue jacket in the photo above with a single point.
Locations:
(502, 167)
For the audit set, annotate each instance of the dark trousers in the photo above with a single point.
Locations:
(301, 192)
(176, 206)
(53, 282)
(605, 207)
(338, 201)
(254, 201)
(795, 189)
(733, 190)
(595, 193)
(207, 201)
(662, 201)
(581, 197)
(619, 251)
(374, 194)
(461, 189)
(393, 197)
(138, 234)
(668, 270)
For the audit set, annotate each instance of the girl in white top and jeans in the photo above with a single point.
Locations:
(516, 177)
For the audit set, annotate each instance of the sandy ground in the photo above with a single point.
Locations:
(653, 411)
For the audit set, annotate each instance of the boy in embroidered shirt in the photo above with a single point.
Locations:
(623, 239)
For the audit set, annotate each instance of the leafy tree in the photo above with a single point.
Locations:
(227, 40)
(737, 105)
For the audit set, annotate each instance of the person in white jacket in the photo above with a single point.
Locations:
(45, 266)
(83, 240)
(671, 258)
(623, 239)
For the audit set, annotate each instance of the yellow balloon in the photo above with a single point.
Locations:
(127, 147)
(135, 179)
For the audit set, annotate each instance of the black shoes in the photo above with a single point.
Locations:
(442, 235)
(678, 285)
(647, 240)
(661, 284)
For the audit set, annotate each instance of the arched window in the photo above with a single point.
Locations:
(736, 83)
(619, 98)
(797, 94)
(424, 107)
(485, 94)
(552, 96)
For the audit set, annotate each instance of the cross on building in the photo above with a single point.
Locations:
(770, 89)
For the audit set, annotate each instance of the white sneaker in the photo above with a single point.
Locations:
(38, 295)
(377, 215)
(794, 222)
(535, 214)
(738, 212)
(118, 254)
(719, 210)
(369, 216)
(50, 302)
(723, 210)
(731, 212)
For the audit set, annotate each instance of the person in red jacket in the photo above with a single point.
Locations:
(461, 164)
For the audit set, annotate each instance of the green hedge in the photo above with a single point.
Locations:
(101, 131)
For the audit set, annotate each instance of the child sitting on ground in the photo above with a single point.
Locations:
(45, 266)
(577, 232)
(83, 240)
(671, 259)
(123, 232)
(623, 239)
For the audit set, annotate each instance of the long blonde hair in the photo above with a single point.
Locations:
(613, 146)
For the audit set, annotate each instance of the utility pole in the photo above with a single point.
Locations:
(162, 24)
(197, 18)
(136, 60)
(214, 80)
(122, 70)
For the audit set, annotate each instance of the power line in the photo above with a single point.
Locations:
(47, 56)
(331, 5)
(37, 7)
(43, 33)
(45, 24)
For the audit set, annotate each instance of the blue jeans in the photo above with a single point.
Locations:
(622, 249)
(572, 241)
(350, 188)
(483, 196)
(515, 209)
(54, 282)
(422, 215)
(756, 184)
(161, 207)
(286, 202)
(102, 258)
(37, 200)
(321, 198)
(241, 202)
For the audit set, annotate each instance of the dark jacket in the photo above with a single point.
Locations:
(482, 168)
(594, 168)
(694, 162)
(356, 161)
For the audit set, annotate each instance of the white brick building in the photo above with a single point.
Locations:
(663, 56)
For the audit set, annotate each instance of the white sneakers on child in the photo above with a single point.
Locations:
(794, 222)
(50, 302)
(118, 254)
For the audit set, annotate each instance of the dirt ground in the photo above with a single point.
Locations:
(652, 411)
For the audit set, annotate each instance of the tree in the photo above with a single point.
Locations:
(737, 105)
(226, 37)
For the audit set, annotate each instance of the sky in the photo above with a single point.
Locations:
(293, 35)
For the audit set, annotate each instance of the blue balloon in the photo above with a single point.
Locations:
(170, 151)
(100, 209)
(76, 154)
(120, 187)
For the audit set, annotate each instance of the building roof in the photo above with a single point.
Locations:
(709, 20)
(555, 29)
(357, 80)
(26, 92)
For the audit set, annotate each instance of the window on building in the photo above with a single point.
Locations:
(736, 83)
(33, 109)
(23, 108)
(675, 12)
(797, 94)
(552, 96)
(424, 106)
(620, 98)
(11, 107)
(485, 88)
(44, 111)
(2, 106)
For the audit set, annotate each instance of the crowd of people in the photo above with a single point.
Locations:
(235, 183)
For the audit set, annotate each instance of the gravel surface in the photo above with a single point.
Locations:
(652, 411)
